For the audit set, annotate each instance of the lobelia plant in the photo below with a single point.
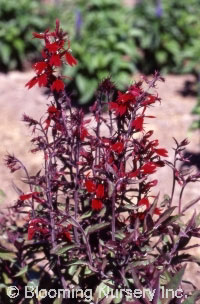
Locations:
(91, 224)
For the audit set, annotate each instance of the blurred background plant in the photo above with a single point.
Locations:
(104, 45)
(168, 33)
(108, 38)
(18, 19)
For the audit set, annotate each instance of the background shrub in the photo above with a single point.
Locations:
(103, 44)
(168, 34)
(18, 19)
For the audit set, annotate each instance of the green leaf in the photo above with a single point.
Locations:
(102, 290)
(86, 215)
(164, 216)
(192, 299)
(22, 271)
(174, 283)
(97, 227)
(60, 250)
(7, 255)
(2, 196)
(33, 283)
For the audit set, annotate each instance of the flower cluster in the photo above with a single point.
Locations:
(53, 54)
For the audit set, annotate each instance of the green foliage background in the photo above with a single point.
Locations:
(107, 37)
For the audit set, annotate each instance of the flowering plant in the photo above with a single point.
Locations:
(91, 220)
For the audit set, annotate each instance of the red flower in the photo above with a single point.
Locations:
(124, 97)
(135, 90)
(55, 60)
(117, 147)
(37, 35)
(67, 236)
(40, 66)
(52, 110)
(31, 82)
(144, 201)
(64, 234)
(148, 168)
(150, 99)
(70, 59)
(37, 225)
(138, 123)
(119, 109)
(58, 85)
(161, 152)
(100, 191)
(153, 183)
(24, 197)
(96, 204)
(42, 80)
(47, 121)
(91, 186)
(134, 173)
(83, 133)
(52, 47)
(157, 211)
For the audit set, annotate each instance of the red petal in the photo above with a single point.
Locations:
(52, 47)
(117, 147)
(100, 191)
(138, 123)
(31, 83)
(40, 66)
(55, 60)
(42, 80)
(161, 152)
(90, 185)
(148, 168)
(157, 211)
(70, 59)
(97, 204)
(58, 85)
(144, 201)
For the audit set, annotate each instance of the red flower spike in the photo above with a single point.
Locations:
(161, 152)
(144, 201)
(96, 204)
(55, 60)
(40, 66)
(138, 123)
(42, 80)
(70, 59)
(58, 85)
(91, 186)
(31, 82)
(100, 191)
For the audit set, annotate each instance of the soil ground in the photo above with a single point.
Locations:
(173, 120)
